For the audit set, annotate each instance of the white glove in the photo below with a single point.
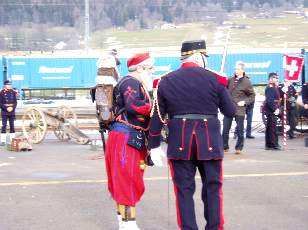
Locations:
(276, 112)
(241, 103)
(284, 89)
(157, 155)
(306, 106)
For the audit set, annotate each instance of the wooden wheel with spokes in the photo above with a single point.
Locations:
(34, 125)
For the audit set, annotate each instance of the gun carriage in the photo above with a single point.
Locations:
(63, 122)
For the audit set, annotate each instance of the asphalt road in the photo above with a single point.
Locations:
(62, 186)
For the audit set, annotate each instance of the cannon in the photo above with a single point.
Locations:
(63, 122)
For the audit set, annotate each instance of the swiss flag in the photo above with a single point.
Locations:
(293, 66)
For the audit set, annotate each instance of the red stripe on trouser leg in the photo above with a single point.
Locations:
(183, 130)
(176, 196)
(125, 177)
(222, 220)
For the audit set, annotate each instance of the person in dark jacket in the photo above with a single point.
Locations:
(291, 97)
(190, 97)
(249, 115)
(271, 110)
(243, 94)
(305, 95)
(8, 103)
(125, 148)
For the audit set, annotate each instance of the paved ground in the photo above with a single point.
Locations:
(58, 186)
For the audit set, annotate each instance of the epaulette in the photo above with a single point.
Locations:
(157, 80)
(222, 80)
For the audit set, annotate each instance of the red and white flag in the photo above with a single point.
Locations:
(293, 66)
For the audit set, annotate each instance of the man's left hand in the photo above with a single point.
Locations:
(157, 156)
(241, 103)
(9, 109)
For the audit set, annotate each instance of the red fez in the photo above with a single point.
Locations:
(137, 59)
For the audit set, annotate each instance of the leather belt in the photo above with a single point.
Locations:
(193, 116)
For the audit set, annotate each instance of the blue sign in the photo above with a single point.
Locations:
(52, 72)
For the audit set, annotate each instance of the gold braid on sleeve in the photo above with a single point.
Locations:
(156, 105)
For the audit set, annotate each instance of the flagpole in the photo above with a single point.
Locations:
(285, 120)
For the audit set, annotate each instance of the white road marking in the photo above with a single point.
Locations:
(4, 164)
(55, 182)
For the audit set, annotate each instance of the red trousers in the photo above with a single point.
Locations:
(125, 176)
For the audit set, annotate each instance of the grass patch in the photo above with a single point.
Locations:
(286, 32)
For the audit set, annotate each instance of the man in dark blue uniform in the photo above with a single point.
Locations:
(271, 110)
(305, 95)
(288, 89)
(8, 103)
(191, 97)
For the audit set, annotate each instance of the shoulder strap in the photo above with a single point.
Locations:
(124, 79)
(118, 86)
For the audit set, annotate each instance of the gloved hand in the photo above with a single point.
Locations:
(306, 106)
(241, 103)
(284, 89)
(276, 112)
(157, 155)
(9, 109)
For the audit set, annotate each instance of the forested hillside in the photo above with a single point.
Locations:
(34, 24)
(106, 13)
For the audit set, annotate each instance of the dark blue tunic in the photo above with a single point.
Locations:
(191, 90)
(8, 99)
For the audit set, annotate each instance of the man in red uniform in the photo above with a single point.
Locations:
(125, 149)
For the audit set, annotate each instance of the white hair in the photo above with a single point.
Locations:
(241, 64)
(197, 58)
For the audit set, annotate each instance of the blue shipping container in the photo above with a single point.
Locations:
(42, 73)
(306, 67)
(2, 75)
(51, 73)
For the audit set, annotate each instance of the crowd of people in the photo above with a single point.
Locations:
(188, 101)
(195, 141)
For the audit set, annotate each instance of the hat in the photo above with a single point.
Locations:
(191, 47)
(7, 82)
(138, 59)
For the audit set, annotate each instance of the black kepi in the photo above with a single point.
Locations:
(191, 47)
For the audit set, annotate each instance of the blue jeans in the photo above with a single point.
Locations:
(249, 114)
(227, 122)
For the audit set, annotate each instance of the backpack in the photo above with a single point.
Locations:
(108, 98)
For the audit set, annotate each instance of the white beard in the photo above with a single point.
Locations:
(147, 81)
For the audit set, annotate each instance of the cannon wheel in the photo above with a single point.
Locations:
(34, 125)
(68, 117)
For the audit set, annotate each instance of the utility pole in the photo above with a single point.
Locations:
(86, 26)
